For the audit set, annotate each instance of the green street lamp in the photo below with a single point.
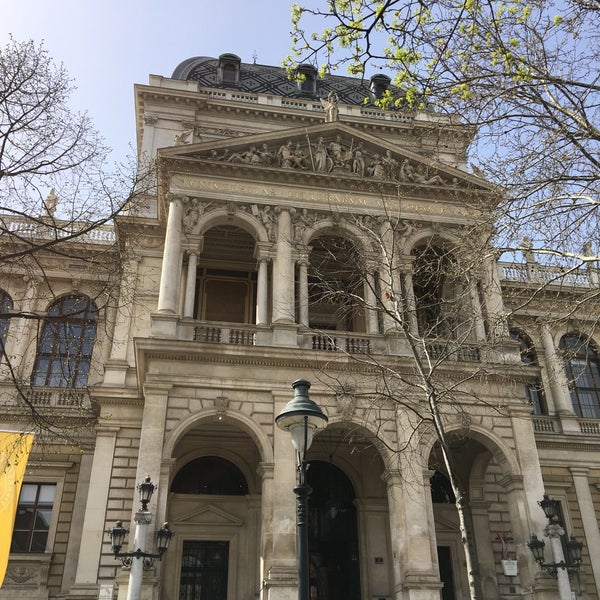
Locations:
(301, 417)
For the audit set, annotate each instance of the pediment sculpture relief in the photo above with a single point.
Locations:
(337, 156)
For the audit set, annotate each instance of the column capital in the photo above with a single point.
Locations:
(265, 470)
(176, 198)
(512, 482)
(405, 263)
(262, 250)
(579, 471)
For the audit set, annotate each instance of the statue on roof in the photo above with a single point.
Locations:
(50, 203)
(331, 106)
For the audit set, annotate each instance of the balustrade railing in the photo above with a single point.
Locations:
(452, 351)
(548, 275)
(240, 335)
(59, 229)
(341, 342)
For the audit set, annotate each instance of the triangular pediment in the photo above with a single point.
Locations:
(207, 515)
(325, 150)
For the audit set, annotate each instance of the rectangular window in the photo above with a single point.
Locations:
(32, 521)
(204, 567)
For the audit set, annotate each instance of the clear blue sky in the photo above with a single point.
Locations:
(108, 45)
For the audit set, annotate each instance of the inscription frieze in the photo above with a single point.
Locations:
(223, 189)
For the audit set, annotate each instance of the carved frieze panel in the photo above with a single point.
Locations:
(339, 156)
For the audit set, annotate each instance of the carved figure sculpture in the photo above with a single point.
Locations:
(330, 104)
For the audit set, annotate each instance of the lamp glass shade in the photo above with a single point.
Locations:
(574, 551)
(163, 538)
(298, 411)
(146, 489)
(549, 506)
(297, 432)
(537, 548)
(117, 536)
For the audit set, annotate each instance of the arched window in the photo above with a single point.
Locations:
(583, 372)
(441, 304)
(535, 390)
(210, 475)
(6, 305)
(335, 285)
(66, 343)
(441, 489)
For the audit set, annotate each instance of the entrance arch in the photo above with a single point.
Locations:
(333, 534)
(214, 508)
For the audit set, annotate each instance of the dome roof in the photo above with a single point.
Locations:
(265, 79)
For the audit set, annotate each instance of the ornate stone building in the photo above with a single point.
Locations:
(292, 225)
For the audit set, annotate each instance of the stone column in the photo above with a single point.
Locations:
(492, 293)
(76, 518)
(261, 253)
(283, 272)
(371, 303)
(19, 332)
(485, 551)
(389, 278)
(587, 510)
(156, 399)
(115, 369)
(94, 522)
(303, 295)
(284, 327)
(558, 382)
(190, 284)
(265, 471)
(415, 573)
(478, 322)
(171, 266)
(526, 517)
(409, 295)
(282, 574)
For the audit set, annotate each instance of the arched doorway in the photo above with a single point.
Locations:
(205, 562)
(333, 534)
(213, 507)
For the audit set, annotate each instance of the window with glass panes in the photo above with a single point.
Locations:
(32, 521)
(66, 344)
(583, 372)
(535, 390)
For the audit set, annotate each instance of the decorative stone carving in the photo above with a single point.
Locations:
(301, 220)
(345, 403)
(183, 138)
(20, 574)
(338, 156)
(193, 211)
(221, 404)
(268, 219)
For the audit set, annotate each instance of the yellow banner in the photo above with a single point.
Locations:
(14, 452)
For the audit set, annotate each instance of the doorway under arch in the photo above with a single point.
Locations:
(333, 534)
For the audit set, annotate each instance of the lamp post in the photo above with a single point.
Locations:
(301, 417)
(139, 559)
(560, 569)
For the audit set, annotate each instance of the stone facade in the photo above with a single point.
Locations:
(216, 312)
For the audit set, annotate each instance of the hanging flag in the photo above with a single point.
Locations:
(14, 452)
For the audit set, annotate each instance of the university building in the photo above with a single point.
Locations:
(291, 235)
